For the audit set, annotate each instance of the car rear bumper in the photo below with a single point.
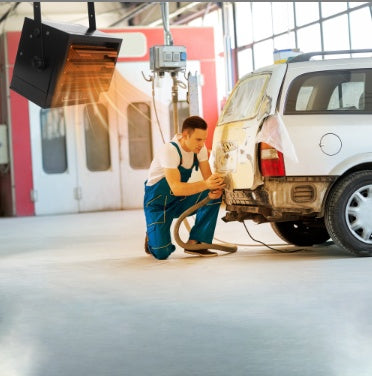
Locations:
(279, 198)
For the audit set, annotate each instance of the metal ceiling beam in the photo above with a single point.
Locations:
(200, 13)
(133, 13)
(177, 12)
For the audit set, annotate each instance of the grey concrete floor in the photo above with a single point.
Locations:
(78, 296)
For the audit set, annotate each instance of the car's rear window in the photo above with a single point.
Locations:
(346, 91)
(245, 99)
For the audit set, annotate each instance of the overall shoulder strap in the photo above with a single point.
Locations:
(178, 149)
(196, 162)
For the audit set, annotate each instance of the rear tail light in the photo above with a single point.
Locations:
(271, 161)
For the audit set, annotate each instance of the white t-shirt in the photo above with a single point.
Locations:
(168, 157)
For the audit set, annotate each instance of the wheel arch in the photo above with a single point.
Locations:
(352, 164)
(359, 167)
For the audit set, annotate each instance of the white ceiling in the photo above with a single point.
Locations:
(58, 11)
(108, 14)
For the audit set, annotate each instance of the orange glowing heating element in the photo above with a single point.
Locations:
(87, 72)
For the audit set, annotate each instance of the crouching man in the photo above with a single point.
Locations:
(168, 193)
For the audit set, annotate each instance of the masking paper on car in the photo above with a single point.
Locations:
(224, 160)
(233, 155)
(274, 133)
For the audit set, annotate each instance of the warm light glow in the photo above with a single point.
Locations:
(87, 72)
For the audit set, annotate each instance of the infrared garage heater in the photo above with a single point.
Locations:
(62, 64)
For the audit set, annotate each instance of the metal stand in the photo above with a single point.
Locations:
(175, 102)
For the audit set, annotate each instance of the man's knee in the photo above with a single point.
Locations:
(162, 253)
(160, 243)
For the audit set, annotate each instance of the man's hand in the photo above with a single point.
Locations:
(215, 182)
(215, 194)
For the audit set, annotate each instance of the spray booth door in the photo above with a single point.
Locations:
(74, 159)
(139, 131)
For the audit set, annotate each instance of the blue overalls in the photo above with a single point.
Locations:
(162, 206)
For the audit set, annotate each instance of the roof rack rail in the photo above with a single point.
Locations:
(308, 55)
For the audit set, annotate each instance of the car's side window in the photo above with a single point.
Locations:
(346, 91)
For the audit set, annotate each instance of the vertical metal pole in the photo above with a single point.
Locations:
(175, 102)
(295, 24)
(193, 94)
(349, 26)
(235, 51)
(10, 131)
(321, 27)
(253, 37)
(227, 45)
(168, 40)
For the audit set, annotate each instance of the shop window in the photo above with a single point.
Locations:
(360, 28)
(306, 12)
(285, 41)
(263, 53)
(283, 19)
(353, 4)
(139, 134)
(309, 38)
(336, 41)
(97, 137)
(53, 140)
(245, 62)
(329, 8)
(261, 11)
(243, 23)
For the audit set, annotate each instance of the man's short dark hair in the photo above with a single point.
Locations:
(194, 122)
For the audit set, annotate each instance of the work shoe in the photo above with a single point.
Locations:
(201, 252)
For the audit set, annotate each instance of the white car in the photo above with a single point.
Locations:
(295, 143)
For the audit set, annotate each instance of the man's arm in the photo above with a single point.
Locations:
(212, 182)
(206, 172)
(205, 169)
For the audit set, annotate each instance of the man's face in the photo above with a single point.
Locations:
(195, 140)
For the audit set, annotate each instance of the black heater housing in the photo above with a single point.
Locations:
(62, 64)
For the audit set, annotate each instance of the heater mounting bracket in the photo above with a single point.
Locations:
(39, 61)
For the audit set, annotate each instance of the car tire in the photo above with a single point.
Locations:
(302, 233)
(348, 213)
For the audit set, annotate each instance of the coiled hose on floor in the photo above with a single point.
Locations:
(221, 247)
